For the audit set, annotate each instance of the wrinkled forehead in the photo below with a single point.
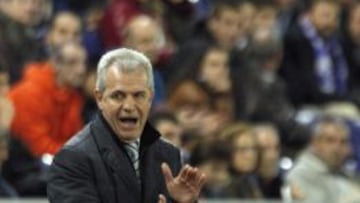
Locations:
(328, 130)
(126, 79)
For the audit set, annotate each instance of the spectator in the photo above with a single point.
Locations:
(192, 107)
(288, 14)
(351, 44)
(119, 12)
(6, 116)
(168, 126)
(260, 94)
(247, 10)
(143, 34)
(243, 161)
(222, 27)
(270, 176)
(17, 36)
(213, 159)
(45, 124)
(314, 66)
(65, 26)
(317, 173)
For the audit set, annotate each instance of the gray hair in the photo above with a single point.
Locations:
(329, 119)
(124, 59)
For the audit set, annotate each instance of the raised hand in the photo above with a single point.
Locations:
(186, 187)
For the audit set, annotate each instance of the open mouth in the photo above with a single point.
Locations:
(128, 122)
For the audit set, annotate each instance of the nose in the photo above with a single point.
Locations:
(129, 104)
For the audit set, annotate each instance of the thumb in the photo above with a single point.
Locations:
(162, 199)
(167, 172)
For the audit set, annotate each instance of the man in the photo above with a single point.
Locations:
(6, 116)
(317, 175)
(143, 34)
(117, 157)
(260, 94)
(351, 44)
(270, 179)
(52, 111)
(17, 36)
(314, 66)
(65, 26)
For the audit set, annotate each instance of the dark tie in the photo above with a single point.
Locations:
(133, 152)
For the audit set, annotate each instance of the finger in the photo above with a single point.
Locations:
(167, 172)
(162, 199)
(202, 181)
(192, 175)
(186, 174)
(198, 177)
(182, 171)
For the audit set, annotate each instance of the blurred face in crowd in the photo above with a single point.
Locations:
(125, 103)
(247, 11)
(331, 144)
(265, 18)
(27, 12)
(70, 65)
(225, 27)
(144, 35)
(325, 17)
(244, 155)
(66, 27)
(214, 70)
(354, 24)
(269, 147)
(170, 130)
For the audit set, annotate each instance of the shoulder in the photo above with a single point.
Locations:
(75, 156)
(81, 141)
(166, 146)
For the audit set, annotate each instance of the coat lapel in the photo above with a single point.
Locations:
(152, 179)
(117, 161)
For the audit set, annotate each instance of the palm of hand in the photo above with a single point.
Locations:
(182, 191)
(186, 187)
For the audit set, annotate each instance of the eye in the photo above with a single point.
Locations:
(139, 95)
(117, 95)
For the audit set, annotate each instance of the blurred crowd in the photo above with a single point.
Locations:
(262, 95)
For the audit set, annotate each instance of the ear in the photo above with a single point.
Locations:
(151, 97)
(99, 98)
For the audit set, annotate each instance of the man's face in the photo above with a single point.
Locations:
(145, 37)
(245, 154)
(225, 27)
(324, 16)
(27, 12)
(331, 145)
(214, 70)
(65, 28)
(269, 146)
(71, 66)
(170, 130)
(125, 103)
